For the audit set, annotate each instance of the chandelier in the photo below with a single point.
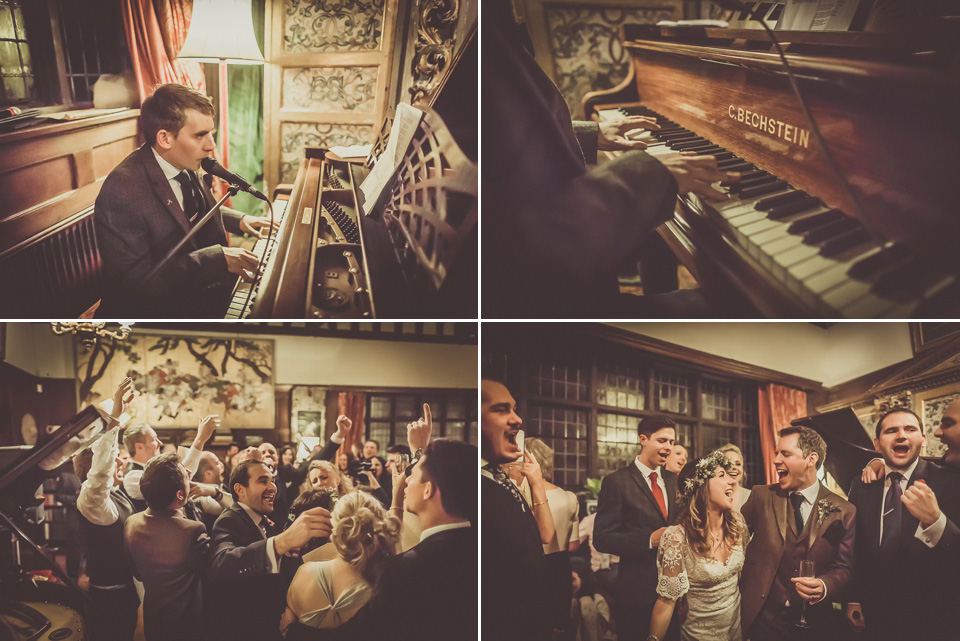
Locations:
(89, 331)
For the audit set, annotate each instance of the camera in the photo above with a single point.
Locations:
(366, 466)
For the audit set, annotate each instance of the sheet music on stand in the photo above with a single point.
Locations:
(404, 126)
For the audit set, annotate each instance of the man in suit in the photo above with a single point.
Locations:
(151, 200)
(949, 433)
(429, 592)
(634, 508)
(795, 519)
(906, 545)
(519, 599)
(169, 553)
(249, 572)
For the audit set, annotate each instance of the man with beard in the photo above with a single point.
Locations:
(795, 519)
(634, 508)
(525, 592)
(249, 569)
(904, 545)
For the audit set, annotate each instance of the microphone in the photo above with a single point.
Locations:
(214, 168)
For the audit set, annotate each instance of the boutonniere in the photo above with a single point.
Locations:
(269, 522)
(825, 508)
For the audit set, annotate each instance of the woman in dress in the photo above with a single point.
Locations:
(700, 558)
(325, 594)
(742, 492)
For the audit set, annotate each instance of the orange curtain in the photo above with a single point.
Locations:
(353, 405)
(155, 32)
(777, 406)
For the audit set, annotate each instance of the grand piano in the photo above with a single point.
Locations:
(793, 241)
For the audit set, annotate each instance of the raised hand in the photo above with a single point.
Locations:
(343, 426)
(921, 502)
(208, 425)
(418, 433)
(531, 469)
(122, 397)
(105, 452)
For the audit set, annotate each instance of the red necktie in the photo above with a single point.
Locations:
(658, 494)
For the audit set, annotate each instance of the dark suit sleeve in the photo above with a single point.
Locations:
(838, 576)
(229, 560)
(231, 219)
(609, 534)
(855, 591)
(127, 246)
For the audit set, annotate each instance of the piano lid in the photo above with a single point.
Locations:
(849, 448)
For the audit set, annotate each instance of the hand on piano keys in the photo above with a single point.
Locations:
(258, 226)
(241, 262)
(621, 134)
(698, 174)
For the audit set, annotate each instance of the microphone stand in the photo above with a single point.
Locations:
(232, 190)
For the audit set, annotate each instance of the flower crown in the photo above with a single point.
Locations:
(705, 469)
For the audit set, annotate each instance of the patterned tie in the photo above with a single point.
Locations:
(191, 202)
(658, 494)
(501, 477)
(892, 512)
(263, 527)
(797, 499)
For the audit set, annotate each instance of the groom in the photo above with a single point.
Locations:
(795, 519)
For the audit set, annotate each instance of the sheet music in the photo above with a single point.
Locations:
(401, 133)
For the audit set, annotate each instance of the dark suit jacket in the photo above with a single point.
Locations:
(244, 600)
(543, 205)
(627, 514)
(169, 555)
(766, 512)
(518, 602)
(913, 578)
(428, 593)
(138, 220)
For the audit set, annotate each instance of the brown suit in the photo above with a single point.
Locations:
(169, 555)
(776, 549)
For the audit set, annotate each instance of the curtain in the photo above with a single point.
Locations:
(353, 405)
(777, 406)
(245, 119)
(155, 32)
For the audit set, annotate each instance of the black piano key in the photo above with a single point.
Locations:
(727, 162)
(839, 244)
(678, 136)
(683, 146)
(736, 187)
(726, 155)
(701, 146)
(712, 150)
(740, 166)
(831, 230)
(809, 222)
(680, 141)
(875, 265)
(753, 173)
(760, 190)
(766, 204)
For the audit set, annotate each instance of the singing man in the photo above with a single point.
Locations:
(151, 200)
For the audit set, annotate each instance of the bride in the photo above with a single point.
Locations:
(701, 557)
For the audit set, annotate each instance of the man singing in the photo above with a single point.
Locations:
(151, 200)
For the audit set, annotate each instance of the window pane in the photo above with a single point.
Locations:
(380, 407)
(405, 407)
(455, 429)
(6, 23)
(753, 459)
(685, 437)
(672, 393)
(18, 23)
(9, 58)
(559, 428)
(617, 441)
(714, 437)
(560, 380)
(437, 406)
(15, 88)
(380, 432)
(620, 386)
(456, 407)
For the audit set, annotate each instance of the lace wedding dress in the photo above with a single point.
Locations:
(713, 595)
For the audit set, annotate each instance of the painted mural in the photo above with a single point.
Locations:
(180, 379)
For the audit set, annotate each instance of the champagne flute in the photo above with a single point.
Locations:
(807, 569)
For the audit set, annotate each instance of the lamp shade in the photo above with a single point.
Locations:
(222, 30)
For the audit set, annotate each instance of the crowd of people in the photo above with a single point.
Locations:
(687, 550)
(259, 546)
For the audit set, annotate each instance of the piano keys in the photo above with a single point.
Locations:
(790, 239)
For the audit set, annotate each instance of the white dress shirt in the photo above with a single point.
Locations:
(646, 472)
(430, 531)
(171, 173)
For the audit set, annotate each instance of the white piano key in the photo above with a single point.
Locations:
(844, 293)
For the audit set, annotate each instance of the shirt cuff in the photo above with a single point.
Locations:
(192, 460)
(824, 592)
(931, 535)
(338, 440)
(272, 556)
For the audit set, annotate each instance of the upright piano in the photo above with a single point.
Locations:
(793, 241)
(411, 254)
